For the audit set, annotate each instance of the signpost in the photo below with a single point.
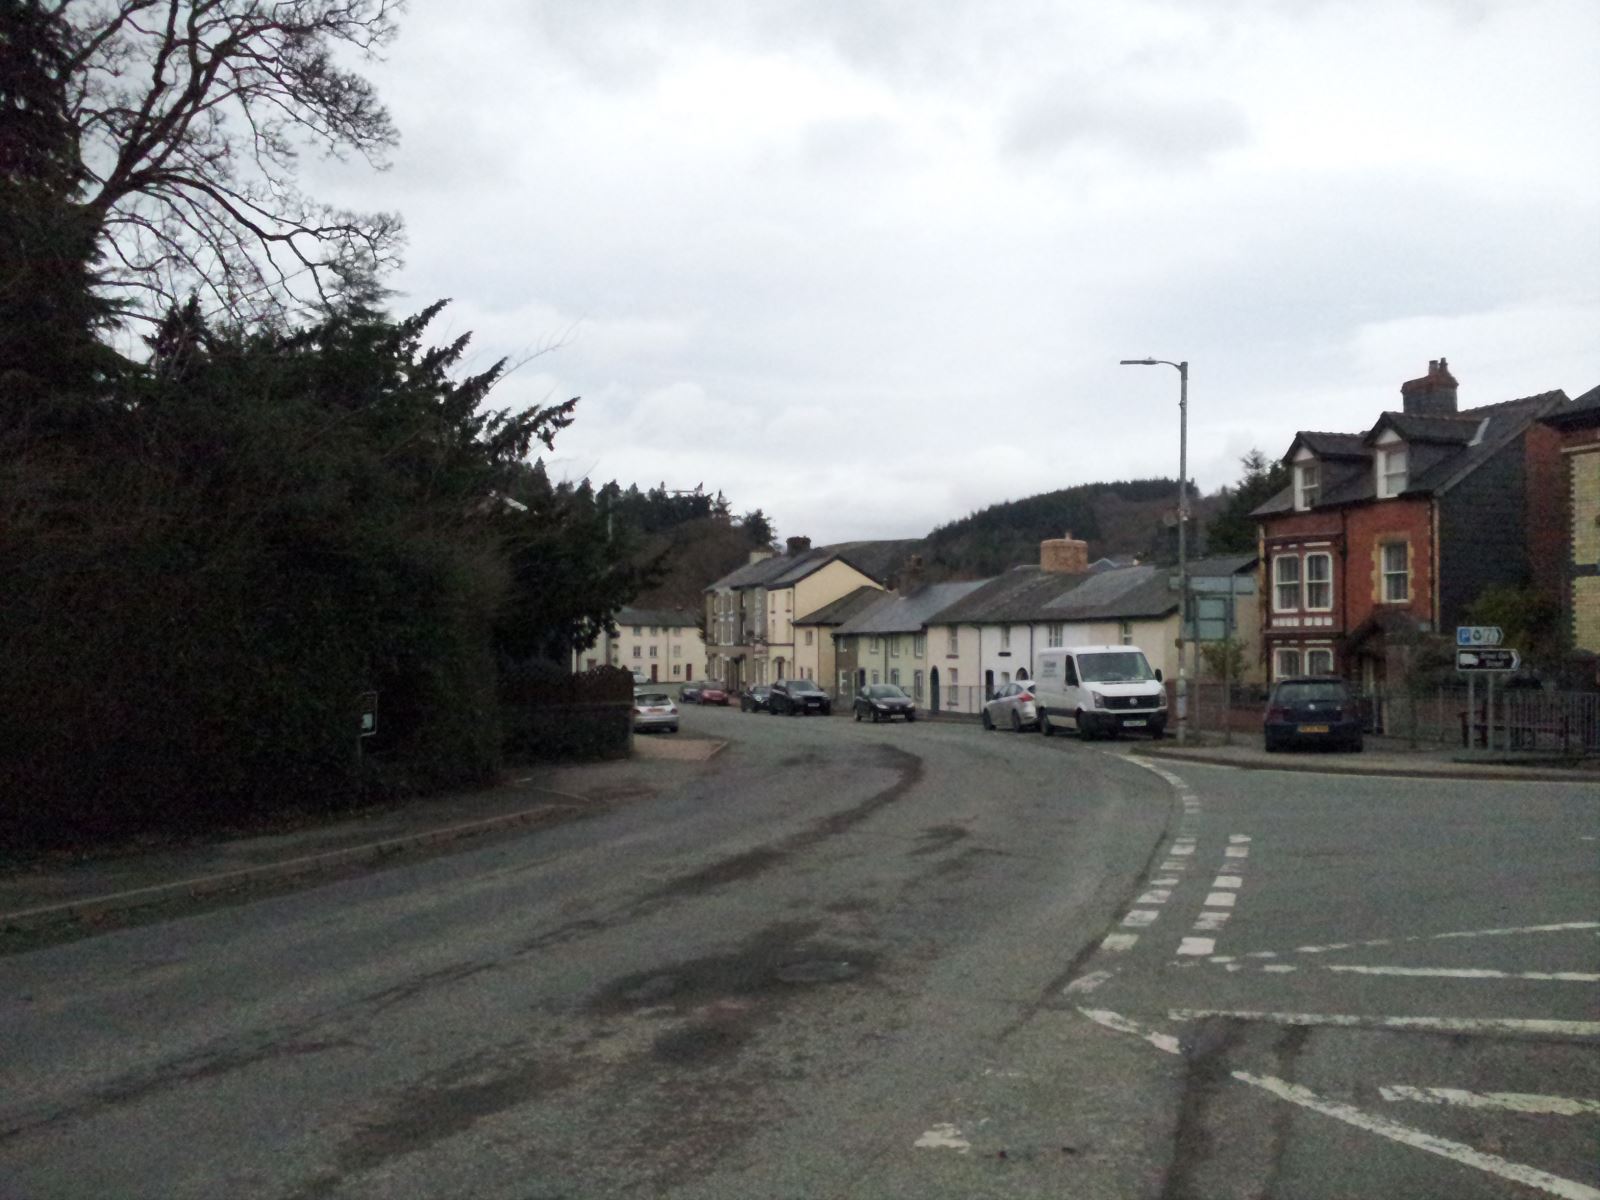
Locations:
(368, 703)
(1478, 653)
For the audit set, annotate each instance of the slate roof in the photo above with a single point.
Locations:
(656, 616)
(1437, 462)
(1146, 591)
(877, 560)
(908, 613)
(843, 608)
(1581, 413)
(1018, 595)
(1219, 564)
(1329, 445)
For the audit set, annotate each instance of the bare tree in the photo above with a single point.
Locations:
(191, 116)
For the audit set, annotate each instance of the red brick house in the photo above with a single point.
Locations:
(1393, 532)
(1577, 426)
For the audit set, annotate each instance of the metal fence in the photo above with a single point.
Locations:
(1530, 719)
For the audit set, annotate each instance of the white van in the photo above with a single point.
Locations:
(1099, 690)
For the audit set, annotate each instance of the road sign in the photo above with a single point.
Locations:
(1487, 660)
(369, 713)
(1478, 635)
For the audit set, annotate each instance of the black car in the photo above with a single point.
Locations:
(1317, 710)
(798, 698)
(884, 702)
(754, 698)
(689, 693)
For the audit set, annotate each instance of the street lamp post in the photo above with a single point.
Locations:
(1183, 523)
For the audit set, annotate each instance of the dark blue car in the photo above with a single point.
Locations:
(1312, 710)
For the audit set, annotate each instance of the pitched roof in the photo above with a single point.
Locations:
(1221, 564)
(908, 613)
(876, 560)
(1146, 591)
(1580, 414)
(1443, 457)
(678, 617)
(1018, 595)
(843, 608)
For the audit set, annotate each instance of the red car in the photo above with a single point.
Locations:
(713, 695)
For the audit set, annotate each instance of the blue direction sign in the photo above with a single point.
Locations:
(1478, 635)
(1487, 660)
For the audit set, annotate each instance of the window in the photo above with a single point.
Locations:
(1319, 581)
(638, 652)
(1053, 637)
(894, 649)
(1396, 573)
(654, 631)
(1319, 662)
(1286, 662)
(955, 682)
(894, 676)
(652, 652)
(808, 637)
(919, 645)
(638, 630)
(676, 670)
(1005, 679)
(874, 676)
(1307, 484)
(1392, 471)
(677, 652)
(1127, 632)
(954, 645)
(916, 685)
(872, 645)
(1005, 637)
(1286, 582)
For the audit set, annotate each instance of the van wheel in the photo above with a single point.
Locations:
(1085, 733)
(987, 723)
(1045, 727)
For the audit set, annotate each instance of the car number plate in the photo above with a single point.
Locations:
(1137, 722)
(1313, 729)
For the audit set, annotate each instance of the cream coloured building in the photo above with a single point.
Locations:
(663, 645)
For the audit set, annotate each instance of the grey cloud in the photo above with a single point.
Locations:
(1169, 131)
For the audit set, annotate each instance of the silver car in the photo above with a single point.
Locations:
(654, 710)
(1012, 705)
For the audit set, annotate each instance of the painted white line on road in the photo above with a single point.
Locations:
(1330, 947)
(1086, 983)
(1111, 1020)
(1211, 921)
(1238, 839)
(1228, 881)
(944, 1137)
(1197, 945)
(1181, 849)
(1523, 1102)
(1469, 973)
(1164, 881)
(1155, 896)
(1237, 852)
(1555, 1185)
(1221, 899)
(1140, 917)
(1117, 943)
(1174, 864)
(1575, 1029)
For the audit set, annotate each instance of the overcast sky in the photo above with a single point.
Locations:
(870, 266)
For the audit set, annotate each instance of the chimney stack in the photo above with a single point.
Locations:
(1064, 556)
(798, 546)
(759, 556)
(1434, 395)
(911, 578)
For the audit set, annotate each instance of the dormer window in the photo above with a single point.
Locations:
(1307, 484)
(1392, 475)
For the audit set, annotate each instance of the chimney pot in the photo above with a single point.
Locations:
(797, 545)
(1434, 395)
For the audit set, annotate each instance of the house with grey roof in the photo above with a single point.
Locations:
(751, 611)
(815, 655)
(886, 640)
(1386, 537)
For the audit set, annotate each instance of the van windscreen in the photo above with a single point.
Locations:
(1120, 666)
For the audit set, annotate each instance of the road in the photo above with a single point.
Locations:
(852, 960)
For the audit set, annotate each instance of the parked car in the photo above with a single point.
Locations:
(884, 702)
(640, 679)
(689, 693)
(654, 711)
(798, 697)
(1318, 710)
(712, 694)
(1013, 705)
(755, 698)
(1101, 690)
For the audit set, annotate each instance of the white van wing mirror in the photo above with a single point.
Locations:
(1158, 675)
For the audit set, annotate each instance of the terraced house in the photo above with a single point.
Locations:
(663, 644)
(1391, 533)
(1578, 483)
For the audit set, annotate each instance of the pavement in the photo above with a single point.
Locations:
(1382, 756)
(59, 892)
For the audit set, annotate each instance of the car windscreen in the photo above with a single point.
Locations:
(885, 691)
(1301, 693)
(651, 698)
(1115, 666)
(803, 685)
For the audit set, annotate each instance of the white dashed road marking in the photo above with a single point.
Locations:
(1118, 943)
(944, 1137)
(1480, 1025)
(1523, 1102)
(1197, 945)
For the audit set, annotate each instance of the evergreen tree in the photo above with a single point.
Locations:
(1233, 529)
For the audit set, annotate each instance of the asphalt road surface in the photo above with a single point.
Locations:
(852, 960)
